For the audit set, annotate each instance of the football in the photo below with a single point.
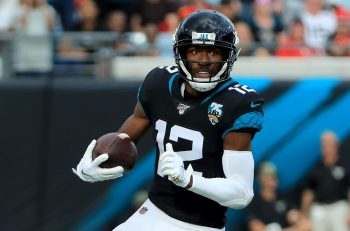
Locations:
(120, 149)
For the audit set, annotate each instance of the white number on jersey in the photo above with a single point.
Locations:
(176, 132)
(243, 89)
(170, 69)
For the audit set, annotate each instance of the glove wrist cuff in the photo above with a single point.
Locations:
(187, 178)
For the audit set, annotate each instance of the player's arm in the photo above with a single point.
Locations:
(235, 190)
(89, 170)
(136, 125)
(307, 198)
(308, 194)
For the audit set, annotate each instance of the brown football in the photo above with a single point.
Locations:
(120, 149)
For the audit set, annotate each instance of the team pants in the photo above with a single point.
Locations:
(149, 218)
(330, 217)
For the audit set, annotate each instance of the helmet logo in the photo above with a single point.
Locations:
(203, 38)
(215, 111)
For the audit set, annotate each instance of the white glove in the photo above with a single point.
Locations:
(89, 170)
(172, 165)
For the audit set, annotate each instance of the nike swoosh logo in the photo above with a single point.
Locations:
(254, 105)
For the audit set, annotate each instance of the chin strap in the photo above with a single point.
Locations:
(197, 84)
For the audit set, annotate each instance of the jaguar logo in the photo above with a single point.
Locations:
(215, 111)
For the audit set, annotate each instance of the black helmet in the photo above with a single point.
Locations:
(206, 28)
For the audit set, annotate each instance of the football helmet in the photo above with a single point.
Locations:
(206, 28)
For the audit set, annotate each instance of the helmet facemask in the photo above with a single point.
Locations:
(205, 84)
(193, 32)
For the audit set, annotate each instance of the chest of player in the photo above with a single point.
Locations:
(195, 129)
(207, 119)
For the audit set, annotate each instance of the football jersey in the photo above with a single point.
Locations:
(195, 126)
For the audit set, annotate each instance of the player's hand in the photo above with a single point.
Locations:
(89, 170)
(172, 165)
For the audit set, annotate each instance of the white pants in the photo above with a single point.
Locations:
(149, 218)
(330, 217)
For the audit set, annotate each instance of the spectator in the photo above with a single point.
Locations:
(319, 24)
(341, 3)
(339, 42)
(8, 10)
(106, 7)
(291, 43)
(291, 10)
(36, 17)
(325, 198)
(265, 25)
(153, 18)
(151, 12)
(80, 49)
(138, 43)
(247, 8)
(170, 22)
(269, 211)
(34, 47)
(164, 39)
(193, 6)
(231, 8)
(278, 7)
(87, 16)
(65, 10)
(246, 39)
(117, 22)
(261, 52)
(149, 48)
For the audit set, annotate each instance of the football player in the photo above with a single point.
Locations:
(203, 122)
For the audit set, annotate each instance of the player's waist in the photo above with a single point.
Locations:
(191, 212)
(175, 222)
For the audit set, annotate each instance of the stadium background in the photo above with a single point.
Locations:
(48, 118)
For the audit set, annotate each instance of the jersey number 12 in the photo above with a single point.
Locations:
(176, 132)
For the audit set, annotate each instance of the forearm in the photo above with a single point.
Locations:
(307, 199)
(234, 191)
(228, 192)
(136, 125)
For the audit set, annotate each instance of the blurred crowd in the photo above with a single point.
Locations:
(321, 202)
(145, 27)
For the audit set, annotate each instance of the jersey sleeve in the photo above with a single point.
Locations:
(145, 91)
(150, 89)
(248, 116)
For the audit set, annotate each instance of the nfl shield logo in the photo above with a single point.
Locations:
(182, 108)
